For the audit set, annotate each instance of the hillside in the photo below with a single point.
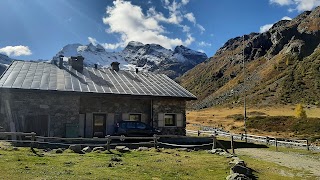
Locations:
(282, 67)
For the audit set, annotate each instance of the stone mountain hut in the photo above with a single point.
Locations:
(69, 100)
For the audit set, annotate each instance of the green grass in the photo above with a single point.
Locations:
(168, 164)
(303, 127)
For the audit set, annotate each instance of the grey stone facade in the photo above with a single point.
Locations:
(60, 108)
(78, 109)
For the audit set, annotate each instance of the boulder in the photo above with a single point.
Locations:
(59, 151)
(98, 149)
(143, 149)
(122, 149)
(75, 148)
(237, 176)
(241, 170)
(87, 149)
(236, 161)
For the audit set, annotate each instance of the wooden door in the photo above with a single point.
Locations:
(37, 124)
(99, 125)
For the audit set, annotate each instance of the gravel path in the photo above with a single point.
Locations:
(288, 159)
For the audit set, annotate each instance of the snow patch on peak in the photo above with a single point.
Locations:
(135, 43)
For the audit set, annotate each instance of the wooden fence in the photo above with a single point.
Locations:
(33, 139)
(268, 140)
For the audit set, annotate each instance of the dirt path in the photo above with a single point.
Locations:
(291, 160)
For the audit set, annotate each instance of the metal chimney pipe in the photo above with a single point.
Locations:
(61, 61)
(115, 66)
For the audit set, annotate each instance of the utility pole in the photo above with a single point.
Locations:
(244, 93)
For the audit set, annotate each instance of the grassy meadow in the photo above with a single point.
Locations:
(167, 164)
(21, 163)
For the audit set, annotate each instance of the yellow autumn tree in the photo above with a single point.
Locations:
(300, 112)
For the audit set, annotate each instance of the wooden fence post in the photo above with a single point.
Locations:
(214, 142)
(232, 144)
(155, 141)
(33, 138)
(108, 142)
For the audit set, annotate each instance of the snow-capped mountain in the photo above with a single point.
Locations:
(146, 57)
(4, 62)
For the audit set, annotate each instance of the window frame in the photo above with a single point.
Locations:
(136, 114)
(174, 120)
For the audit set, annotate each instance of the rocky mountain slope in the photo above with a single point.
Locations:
(282, 66)
(147, 57)
(4, 62)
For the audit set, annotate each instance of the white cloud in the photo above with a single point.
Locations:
(305, 5)
(299, 5)
(190, 17)
(92, 40)
(112, 46)
(203, 44)
(185, 28)
(286, 18)
(281, 2)
(132, 24)
(184, 2)
(265, 28)
(16, 50)
(201, 50)
(202, 29)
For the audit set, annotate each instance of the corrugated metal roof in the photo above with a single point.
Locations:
(46, 76)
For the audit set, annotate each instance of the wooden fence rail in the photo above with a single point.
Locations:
(154, 140)
(268, 140)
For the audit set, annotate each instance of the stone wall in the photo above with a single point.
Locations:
(169, 105)
(117, 105)
(61, 108)
(64, 108)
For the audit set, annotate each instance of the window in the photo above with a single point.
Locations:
(135, 117)
(169, 120)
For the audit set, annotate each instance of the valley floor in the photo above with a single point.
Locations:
(293, 160)
(223, 117)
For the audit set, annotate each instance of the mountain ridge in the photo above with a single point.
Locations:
(282, 66)
(145, 57)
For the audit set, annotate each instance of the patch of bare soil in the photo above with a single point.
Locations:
(287, 159)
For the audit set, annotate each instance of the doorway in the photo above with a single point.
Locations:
(99, 125)
(37, 124)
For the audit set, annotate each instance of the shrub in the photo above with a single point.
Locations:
(300, 112)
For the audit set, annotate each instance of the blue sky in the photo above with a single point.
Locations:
(38, 29)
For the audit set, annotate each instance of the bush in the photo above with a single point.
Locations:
(300, 112)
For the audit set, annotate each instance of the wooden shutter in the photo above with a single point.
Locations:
(81, 125)
(160, 119)
(110, 124)
(179, 119)
(89, 124)
(125, 116)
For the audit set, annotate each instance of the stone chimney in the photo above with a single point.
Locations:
(76, 63)
(115, 66)
(61, 61)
